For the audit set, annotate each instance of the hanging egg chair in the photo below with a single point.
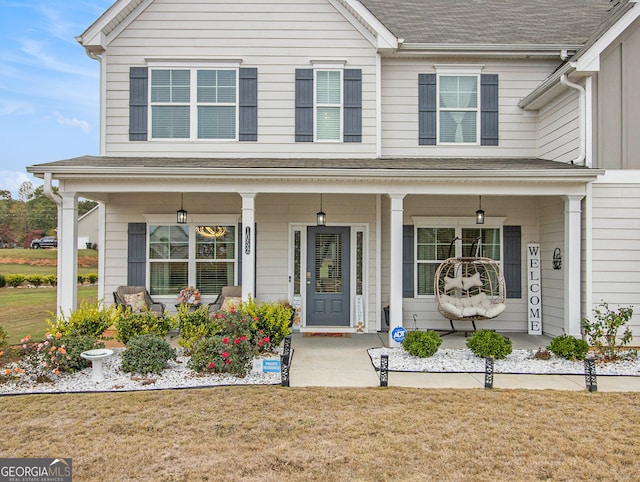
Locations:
(469, 289)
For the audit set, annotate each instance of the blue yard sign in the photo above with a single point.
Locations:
(398, 334)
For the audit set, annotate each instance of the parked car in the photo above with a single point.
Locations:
(45, 242)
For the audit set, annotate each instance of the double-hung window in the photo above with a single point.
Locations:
(435, 244)
(191, 255)
(328, 105)
(458, 109)
(194, 104)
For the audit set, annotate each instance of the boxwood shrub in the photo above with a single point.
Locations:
(569, 347)
(422, 344)
(487, 343)
(147, 354)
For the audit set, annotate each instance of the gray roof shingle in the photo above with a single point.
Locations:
(492, 22)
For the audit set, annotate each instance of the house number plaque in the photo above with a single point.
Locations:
(247, 240)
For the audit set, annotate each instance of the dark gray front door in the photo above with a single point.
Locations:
(328, 276)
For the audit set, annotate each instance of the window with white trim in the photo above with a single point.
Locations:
(191, 255)
(433, 247)
(458, 109)
(328, 105)
(194, 104)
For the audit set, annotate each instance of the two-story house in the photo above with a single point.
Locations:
(335, 152)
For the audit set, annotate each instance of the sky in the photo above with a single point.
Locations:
(49, 87)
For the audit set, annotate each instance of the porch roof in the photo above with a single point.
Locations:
(105, 166)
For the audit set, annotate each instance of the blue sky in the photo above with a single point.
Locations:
(49, 88)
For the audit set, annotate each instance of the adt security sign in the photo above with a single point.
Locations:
(398, 334)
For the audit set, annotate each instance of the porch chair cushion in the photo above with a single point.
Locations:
(138, 299)
(226, 292)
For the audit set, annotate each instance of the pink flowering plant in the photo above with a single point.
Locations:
(230, 351)
(46, 360)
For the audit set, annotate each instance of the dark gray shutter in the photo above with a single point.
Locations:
(304, 105)
(427, 109)
(137, 254)
(352, 105)
(512, 260)
(138, 103)
(248, 87)
(407, 261)
(489, 110)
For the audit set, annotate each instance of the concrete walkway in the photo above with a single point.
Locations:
(344, 362)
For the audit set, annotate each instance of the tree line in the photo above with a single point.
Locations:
(31, 216)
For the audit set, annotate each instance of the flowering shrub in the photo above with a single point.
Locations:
(44, 361)
(189, 295)
(230, 350)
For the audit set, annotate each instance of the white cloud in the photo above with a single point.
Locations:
(12, 107)
(38, 51)
(11, 180)
(72, 122)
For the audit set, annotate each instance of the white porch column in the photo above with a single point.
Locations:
(68, 253)
(248, 245)
(395, 281)
(572, 256)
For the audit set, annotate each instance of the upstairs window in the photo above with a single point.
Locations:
(458, 106)
(194, 104)
(458, 109)
(328, 105)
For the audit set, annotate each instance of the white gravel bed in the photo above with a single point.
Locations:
(519, 361)
(176, 375)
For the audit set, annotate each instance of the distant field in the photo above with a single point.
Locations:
(43, 261)
(25, 310)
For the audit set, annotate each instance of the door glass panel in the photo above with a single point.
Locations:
(328, 267)
(297, 249)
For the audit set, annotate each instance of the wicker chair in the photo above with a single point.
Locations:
(125, 296)
(227, 292)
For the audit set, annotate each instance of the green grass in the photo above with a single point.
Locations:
(25, 311)
(28, 269)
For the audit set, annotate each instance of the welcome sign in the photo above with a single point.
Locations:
(534, 292)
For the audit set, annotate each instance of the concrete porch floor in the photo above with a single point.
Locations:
(344, 362)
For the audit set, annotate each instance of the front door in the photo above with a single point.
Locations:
(328, 276)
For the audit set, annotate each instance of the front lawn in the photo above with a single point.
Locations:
(25, 310)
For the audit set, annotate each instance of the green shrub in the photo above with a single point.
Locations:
(603, 331)
(88, 319)
(14, 280)
(130, 324)
(486, 343)
(422, 343)
(3, 281)
(35, 279)
(147, 354)
(271, 319)
(92, 278)
(3, 337)
(81, 278)
(51, 279)
(569, 347)
(194, 325)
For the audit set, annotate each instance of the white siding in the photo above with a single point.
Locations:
(551, 237)
(517, 130)
(616, 250)
(559, 129)
(276, 38)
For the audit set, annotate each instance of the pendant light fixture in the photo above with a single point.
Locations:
(321, 217)
(479, 212)
(181, 214)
